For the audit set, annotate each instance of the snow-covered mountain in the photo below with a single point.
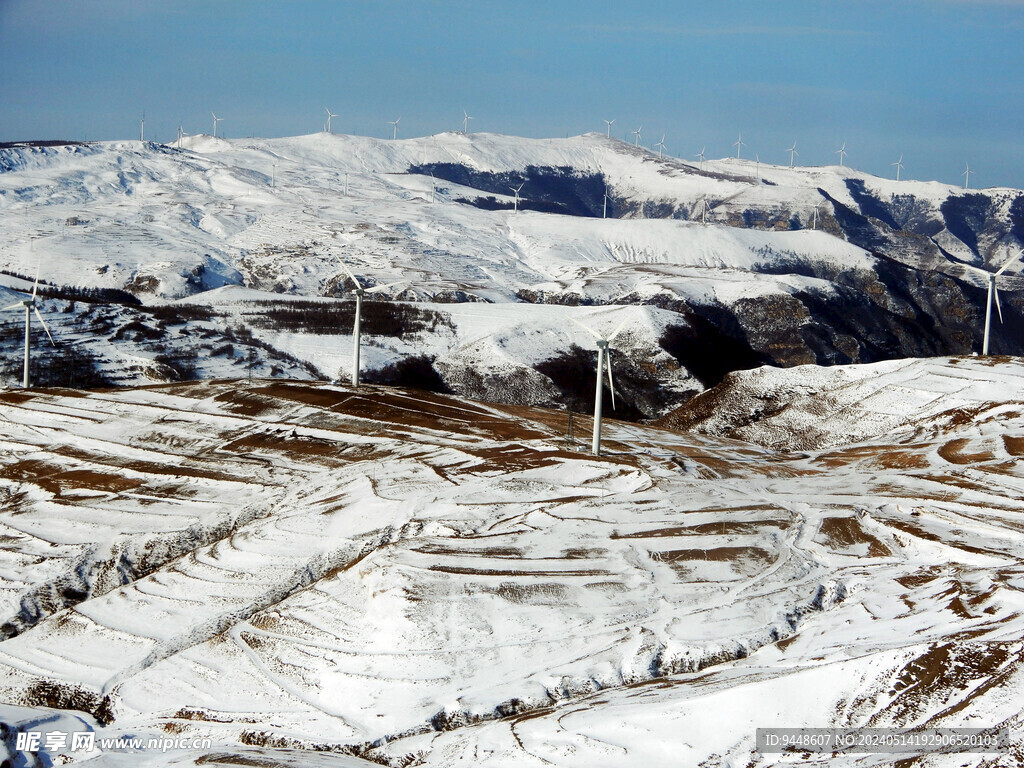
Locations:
(734, 263)
(421, 579)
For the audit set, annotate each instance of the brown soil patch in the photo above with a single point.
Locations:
(903, 458)
(245, 403)
(55, 479)
(1014, 445)
(464, 571)
(914, 580)
(177, 465)
(15, 397)
(733, 528)
(841, 533)
(953, 453)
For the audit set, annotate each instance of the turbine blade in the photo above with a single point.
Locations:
(43, 322)
(350, 274)
(999, 309)
(1007, 264)
(380, 288)
(589, 330)
(611, 384)
(618, 330)
(13, 306)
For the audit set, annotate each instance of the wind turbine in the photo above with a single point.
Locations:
(604, 212)
(359, 291)
(899, 166)
(142, 127)
(636, 133)
(842, 154)
(603, 363)
(661, 146)
(180, 134)
(516, 190)
(609, 124)
(394, 124)
(967, 176)
(700, 156)
(993, 292)
(329, 116)
(792, 154)
(705, 210)
(466, 117)
(814, 221)
(273, 175)
(739, 145)
(30, 305)
(215, 121)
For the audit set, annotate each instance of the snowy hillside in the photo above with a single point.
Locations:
(413, 578)
(758, 263)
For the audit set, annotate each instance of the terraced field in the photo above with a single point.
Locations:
(392, 576)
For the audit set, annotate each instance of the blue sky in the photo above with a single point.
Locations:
(938, 81)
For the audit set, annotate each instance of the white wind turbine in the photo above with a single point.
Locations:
(636, 133)
(814, 221)
(359, 291)
(899, 166)
(142, 127)
(700, 156)
(704, 211)
(603, 363)
(661, 146)
(215, 121)
(604, 211)
(792, 154)
(609, 124)
(993, 293)
(967, 176)
(842, 154)
(30, 306)
(516, 190)
(466, 117)
(739, 144)
(329, 116)
(394, 124)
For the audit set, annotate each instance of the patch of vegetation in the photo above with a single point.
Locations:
(412, 372)
(379, 318)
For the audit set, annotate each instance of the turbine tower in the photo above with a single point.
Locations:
(792, 154)
(993, 293)
(329, 116)
(609, 124)
(30, 306)
(661, 146)
(967, 176)
(842, 154)
(739, 145)
(466, 117)
(516, 190)
(215, 121)
(142, 127)
(899, 166)
(359, 291)
(603, 363)
(636, 133)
